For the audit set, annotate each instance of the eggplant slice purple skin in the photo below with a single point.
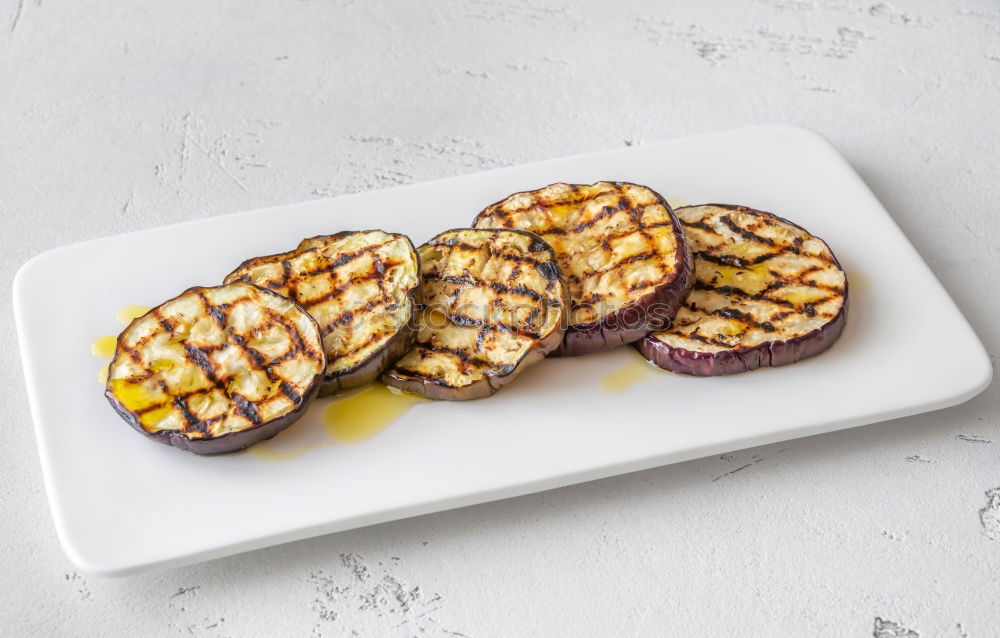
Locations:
(461, 357)
(769, 353)
(616, 329)
(368, 371)
(483, 389)
(195, 435)
(361, 258)
(225, 444)
(581, 214)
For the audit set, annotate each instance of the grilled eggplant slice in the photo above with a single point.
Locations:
(359, 287)
(766, 293)
(217, 369)
(621, 249)
(492, 303)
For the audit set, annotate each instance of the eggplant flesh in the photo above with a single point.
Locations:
(766, 293)
(492, 303)
(217, 369)
(359, 287)
(622, 251)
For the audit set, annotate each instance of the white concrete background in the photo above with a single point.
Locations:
(116, 116)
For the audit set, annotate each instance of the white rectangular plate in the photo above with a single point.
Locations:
(123, 504)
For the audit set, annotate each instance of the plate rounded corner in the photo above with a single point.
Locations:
(804, 132)
(985, 377)
(22, 273)
(83, 559)
(79, 559)
(25, 270)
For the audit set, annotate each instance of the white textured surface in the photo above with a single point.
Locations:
(115, 118)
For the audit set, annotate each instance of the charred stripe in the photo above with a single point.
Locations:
(246, 408)
(744, 233)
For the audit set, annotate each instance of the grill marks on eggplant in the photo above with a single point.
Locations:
(358, 286)
(214, 362)
(758, 279)
(492, 302)
(618, 245)
(601, 233)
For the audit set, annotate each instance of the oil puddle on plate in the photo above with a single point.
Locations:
(360, 416)
(104, 347)
(265, 452)
(857, 281)
(126, 314)
(347, 420)
(635, 371)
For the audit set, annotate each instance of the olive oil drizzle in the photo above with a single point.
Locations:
(264, 452)
(348, 420)
(104, 347)
(126, 314)
(632, 373)
(364, 414)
